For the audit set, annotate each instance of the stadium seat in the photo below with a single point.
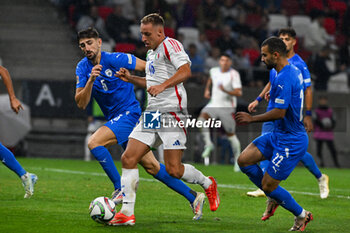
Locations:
(135, 31)
(253, 20)
(125, 47)
(169, 32)
(71, 20)
(104, 11)
(213, 35)
(252, 53)
(313, 5)
(191, 35)
(330, 25)
(300, 23)
(338, 83)
(291, 7)
(277, 21)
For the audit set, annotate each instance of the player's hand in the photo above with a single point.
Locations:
(16, 105)
(95, 72)
(207, 94)
(267, 96)
(252, 106)
(243, 118)
(309, 126)
(221, 87)
(155, 90)
(123, 74)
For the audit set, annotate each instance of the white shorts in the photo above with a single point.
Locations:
(226, 116)
(172, 139)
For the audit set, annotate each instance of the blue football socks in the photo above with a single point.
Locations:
(10, 161)
(175, 184)
(310, 164)
(254, 173)
(103, 156)
(286, 200)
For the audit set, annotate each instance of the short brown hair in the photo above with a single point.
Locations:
(88, 33)
(287, 31)
(153, 18)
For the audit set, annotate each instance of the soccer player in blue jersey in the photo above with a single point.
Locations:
(288, 36)
(116, 98)
(6, 156)
(288, 142)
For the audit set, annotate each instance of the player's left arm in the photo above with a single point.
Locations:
(234, 92)
(181, 75)
(15, 103)
(236, 85)
(140, 64)
(308, 107)
(274, 114)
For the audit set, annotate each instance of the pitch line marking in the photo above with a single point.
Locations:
(229, 186)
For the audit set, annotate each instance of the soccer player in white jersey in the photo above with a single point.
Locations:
(226, 86)
(167, 67)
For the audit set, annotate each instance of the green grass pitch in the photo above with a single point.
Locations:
(66, 187)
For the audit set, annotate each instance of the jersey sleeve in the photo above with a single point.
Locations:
(124, 60)
(81, 75)
(283, 93)
(236, 82)
(175, 52)
(306, 75)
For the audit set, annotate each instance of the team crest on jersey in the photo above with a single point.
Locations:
(109, 73)
(156, 57)
(151, 68)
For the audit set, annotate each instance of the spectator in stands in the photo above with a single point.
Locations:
(229, 12)
(225, 42)
(203, 45)
(118, 26)
(324, 126)
(213, 59)
(160, 6)
(208, 15)
(93, 20)
(344, 58)
(184, 14)
(321, 70)
(197, 66)
(316, 37)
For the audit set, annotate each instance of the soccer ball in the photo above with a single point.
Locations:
(102, 209)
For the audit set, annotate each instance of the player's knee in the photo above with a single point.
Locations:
(241, 161)
(128, 161)
(92, 143)
(267, 187)
(174, 172)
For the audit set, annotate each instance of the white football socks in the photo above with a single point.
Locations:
(236, 146)
(129, 183)
(205, 133)
(194, 176)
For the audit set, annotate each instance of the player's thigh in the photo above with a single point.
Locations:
(104, 136)
(250, 155)
(150, 163)
(228, 121)
(133, 153)
(209, 112)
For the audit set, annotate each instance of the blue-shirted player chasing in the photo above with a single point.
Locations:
(285, 146)
(6, 156)
(116, 98)
(288, 36)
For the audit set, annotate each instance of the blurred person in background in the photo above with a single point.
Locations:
(324, 126)
(6, 156)
(222, 88)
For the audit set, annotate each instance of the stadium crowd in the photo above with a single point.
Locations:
(237, 27)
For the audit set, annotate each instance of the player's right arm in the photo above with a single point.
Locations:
(140, 64)
(255, 103)
(125, 75)
(83, 94)
(207, 88)
(6, 78)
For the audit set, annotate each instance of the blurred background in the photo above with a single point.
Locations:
(38, 46)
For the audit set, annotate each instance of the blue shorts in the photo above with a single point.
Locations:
(267, 127)
(122, 126)
(283, 155)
